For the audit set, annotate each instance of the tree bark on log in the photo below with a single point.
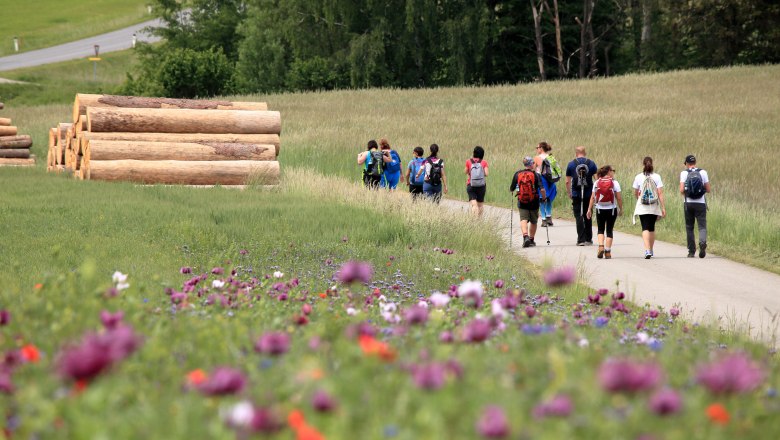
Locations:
(239, 172)
(538, 39)
(83, 101)
(18, 162)
(20, 141)
(201, 151)
(2, 106)
(262, 139)
(5, 121)
(7, 130)
(16, 153)
(183, 121)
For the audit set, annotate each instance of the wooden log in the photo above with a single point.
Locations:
(261, 139)
(20, 141)
(84, 100)
(182, 121)
(118, 150)
(5, 121)
(237, 172)
(19, 162)
(16, 153)
(81, 125)
(62, 130)
(7, 130)
(2, 106)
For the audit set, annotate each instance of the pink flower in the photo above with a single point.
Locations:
(223, 381)
(674, 311)
(530, 311)
(665, 402)
(273, 343)
(5, 317)
(477, 330)
(499, 284)
(560, 276)
(732, 374)
(624, 375)
(6, 385)
(323, 402)
(265, 421)
(559, 406)
(355, 271)
(416, 315)
(493, 423)
(97, 353)
(185, 270)
(429, 376)
(471, 292)
(111, 320)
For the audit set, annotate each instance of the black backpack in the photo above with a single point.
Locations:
(694, 185)
(374, 161)
(434, 176)
(581, 173)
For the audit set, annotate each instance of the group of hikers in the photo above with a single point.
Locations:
(593, 191)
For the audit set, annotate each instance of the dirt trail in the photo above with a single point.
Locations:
(712, 289)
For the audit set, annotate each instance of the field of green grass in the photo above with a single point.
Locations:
(43, 23)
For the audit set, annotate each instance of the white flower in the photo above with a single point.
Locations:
(390, 317)
(470, 288)
(423, 304)
(388, 307)
(122, 286)
(351, 311)
(439, 299)
(497, 310)
(278, 274)
(119, 277)
(382, 298)
(217, 284)
(583, 343)
(642, 338)
(436, 269)
(240, 414)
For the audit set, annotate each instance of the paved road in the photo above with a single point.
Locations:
(110, 42)
(713, 289)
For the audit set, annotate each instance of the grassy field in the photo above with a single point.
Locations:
(66, 238)
(44, 23)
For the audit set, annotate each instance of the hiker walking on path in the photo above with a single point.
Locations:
(372, 160)
(414, 182)
(476, 172)
(435, 180)
(608, 202)
(392, 168)
(547, 166)
(694, 184)
(650, 203)
(579, 186)
(528, 184)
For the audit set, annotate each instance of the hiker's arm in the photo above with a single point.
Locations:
(682, 187)
(420, 171)
(444, 179)
(468, 171)
(513, 185)
(568, 185)
(707, 187)
(387, 158)
(361, 159)
(486, 170)
(662, 201)
(590, 205)
(408, 172)
(620, 202)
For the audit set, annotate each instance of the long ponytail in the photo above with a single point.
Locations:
(648, 164)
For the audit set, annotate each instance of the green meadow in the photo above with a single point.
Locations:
(44, 23)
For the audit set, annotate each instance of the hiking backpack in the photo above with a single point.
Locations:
(550, 169)
(395, 165)
(648, 192)
(434, 176)
(416, 164)
(581, 173)
(604, 191)
(526, 186)
(694, 185)
(374, 162)
(477, 174)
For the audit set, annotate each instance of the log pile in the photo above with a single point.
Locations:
(14, 148)
(168, 141)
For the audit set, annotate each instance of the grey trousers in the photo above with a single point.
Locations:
(695, 212)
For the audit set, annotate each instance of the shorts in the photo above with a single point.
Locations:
(476, 193)
(390, 180)
(529, 215)
(648, 222)
(371, 182)
(416, 189)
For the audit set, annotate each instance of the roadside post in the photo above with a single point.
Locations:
(94, 60)
(16, 44)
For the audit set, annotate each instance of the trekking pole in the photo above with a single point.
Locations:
(547, 228)
(511, 220)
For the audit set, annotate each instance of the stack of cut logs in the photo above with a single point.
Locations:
(168, 141)
(14, 148)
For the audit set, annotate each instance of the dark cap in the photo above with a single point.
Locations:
(528, 161)
(690, 158)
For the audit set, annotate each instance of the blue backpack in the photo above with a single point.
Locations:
(394, 166)
(416, 164)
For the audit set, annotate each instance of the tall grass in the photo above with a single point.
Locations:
(44, 23)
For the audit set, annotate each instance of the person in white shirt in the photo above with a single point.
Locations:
(608, 201)
(694, 184)
(650, 203)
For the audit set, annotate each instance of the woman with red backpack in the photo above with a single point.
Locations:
(608, 202)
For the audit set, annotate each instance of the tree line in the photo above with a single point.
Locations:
(213, 47)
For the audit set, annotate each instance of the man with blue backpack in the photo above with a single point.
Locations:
(579, 186)
(694, 185)
(391, 174)
(415, 179)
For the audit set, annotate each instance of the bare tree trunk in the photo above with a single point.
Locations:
(538, 38)
(647, 21)
(586, 4)
(562, 71)
(591, 42)
(606, 59)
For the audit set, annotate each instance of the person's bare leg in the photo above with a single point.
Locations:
(480, 209)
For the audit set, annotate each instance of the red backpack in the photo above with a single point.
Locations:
(526, 186)
(605, 190)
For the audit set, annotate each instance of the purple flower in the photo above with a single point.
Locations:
(323, 402)
(477, 330)
(666, 401)
(429, 376)
(217, 271)
(493, 423)
(594, 299)
(471, 292)
(111, 320)
(601, 321)
(265, 421)
(185, 270)
(674, 311)
(560, 276)
(446, 337)
(625, 375)
(416, 315)
(273, 343)
(619, 296)
(5, 317)
(734, 373)
(355, 271)
(602, 292)
(97, 353)
(243, 252)
(499, 284)
(223, 381)
(559, 406)
(530, 311)
(122, 341)
(509, 301)
(536, 329)
(6, 385)
(653, 313)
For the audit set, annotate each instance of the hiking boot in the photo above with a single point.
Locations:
(580, 243)
(608, 255)
(648, 255)
(691, 254)
(533, 243)
(526, 242)
(588, 243)
(702, 250)
(600, 253)
(549, 221)
(544, 222)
